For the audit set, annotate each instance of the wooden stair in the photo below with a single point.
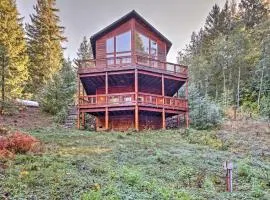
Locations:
(71, 119)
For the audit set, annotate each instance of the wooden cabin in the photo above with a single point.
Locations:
(129, 84)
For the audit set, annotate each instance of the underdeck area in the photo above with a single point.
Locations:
(125, 119)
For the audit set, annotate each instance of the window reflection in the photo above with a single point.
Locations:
(141, 43)
(123, 42)
(153, 48)
(110, 45)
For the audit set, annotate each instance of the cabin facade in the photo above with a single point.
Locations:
(129, 84)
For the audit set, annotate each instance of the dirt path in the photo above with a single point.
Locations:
(28, 119)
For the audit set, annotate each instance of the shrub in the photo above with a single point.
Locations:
(3, 142)
(6, 154)
(204, 113)
(21, 142)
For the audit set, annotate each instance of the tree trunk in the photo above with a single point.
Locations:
(3, 84)
(224, 87)
(260, 90)
(238, 87)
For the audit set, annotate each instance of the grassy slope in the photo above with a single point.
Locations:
(148, 165)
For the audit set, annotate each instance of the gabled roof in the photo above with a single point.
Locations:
(125, 18)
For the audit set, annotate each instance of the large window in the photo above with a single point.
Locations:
(141, 43)
(118, 49)
(123, 42)
(110, 45)
(153, 48)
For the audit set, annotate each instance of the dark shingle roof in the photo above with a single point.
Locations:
(130, 15)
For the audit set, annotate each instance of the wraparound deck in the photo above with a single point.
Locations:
(131, 62)
(128, 99)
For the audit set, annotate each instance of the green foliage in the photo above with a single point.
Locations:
(59, 92)
(89, 165)
(228, 58)
(44, 44)
(204, 113)
(13, 48)
(131, 176)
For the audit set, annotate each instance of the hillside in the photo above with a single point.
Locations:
(172, 164)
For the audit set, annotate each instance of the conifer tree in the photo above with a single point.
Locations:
(84, 52)
(44, 44)
(253, 12)
(59, 91)
(13, 46)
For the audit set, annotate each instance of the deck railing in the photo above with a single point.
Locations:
(129, 98)
(138, 60)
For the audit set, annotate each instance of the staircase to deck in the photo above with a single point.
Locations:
(71, 119)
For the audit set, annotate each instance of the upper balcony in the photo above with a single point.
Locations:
(131, 62)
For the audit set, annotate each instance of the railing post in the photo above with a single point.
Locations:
(136, 104)
(106, 102)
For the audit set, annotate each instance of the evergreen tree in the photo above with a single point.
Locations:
(12, 39)
(84, 52)
(59, 91)
(212, 23)
(253, 12)
(44, 44)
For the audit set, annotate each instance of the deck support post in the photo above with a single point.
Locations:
(78, 103)
(136, 100)
(163, 110)
(106, 109)
(106, 119)
(78, 119)
(83, 120)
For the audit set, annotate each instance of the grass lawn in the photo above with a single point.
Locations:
(170, 164)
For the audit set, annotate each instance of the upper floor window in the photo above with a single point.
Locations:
(141, 43)
(145, 45)
(153, 48)
(122, 43)
(110, 45)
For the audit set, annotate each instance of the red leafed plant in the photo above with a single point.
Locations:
(21, 143)
(3, 142)
(4, 153)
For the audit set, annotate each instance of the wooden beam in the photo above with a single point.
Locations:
(163, 109)
(83, 120)
(106, 109)
(78, 119)
(163, 119)
(106, 118)
(136, 99)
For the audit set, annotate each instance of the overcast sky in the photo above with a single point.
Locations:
(175, 19)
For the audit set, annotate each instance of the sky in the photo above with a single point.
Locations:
(175, 19)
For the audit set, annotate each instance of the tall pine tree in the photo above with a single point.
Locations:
(84, 52)
(12, 39)
(45, 37)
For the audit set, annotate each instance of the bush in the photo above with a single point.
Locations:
(204, 113)
(21, 142)
(6, 154)
(17, 143)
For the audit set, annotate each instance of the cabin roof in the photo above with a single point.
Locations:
(130, 15)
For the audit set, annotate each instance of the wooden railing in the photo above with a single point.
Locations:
(137, 60)
(129, 98)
